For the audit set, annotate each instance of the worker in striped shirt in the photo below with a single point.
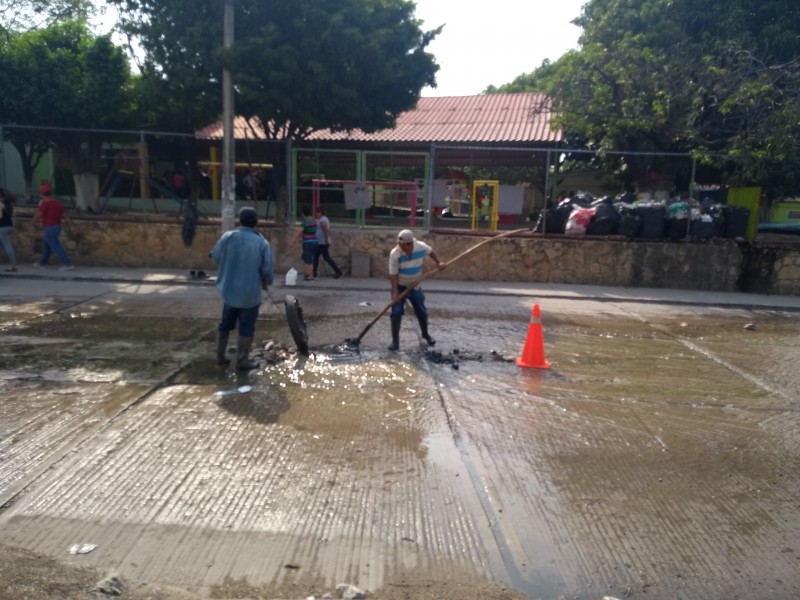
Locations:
(405, 268)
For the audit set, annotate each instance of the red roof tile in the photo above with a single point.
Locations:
(484, 119)
(242, 129)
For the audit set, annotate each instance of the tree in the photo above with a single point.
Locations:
(365, 58)
(718, 78)
(23, 15)
(297, 66)
(70, 83)
(537, 80)
(181, 68)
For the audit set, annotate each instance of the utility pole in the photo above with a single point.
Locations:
(228, 141)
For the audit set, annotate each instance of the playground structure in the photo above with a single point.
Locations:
(381, 198)
(479, 206)
(485, 201)
(131, 168)
(458, 198)
(131, 165)
(249, 191)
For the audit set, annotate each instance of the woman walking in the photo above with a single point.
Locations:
(6, 227)
(324, 241)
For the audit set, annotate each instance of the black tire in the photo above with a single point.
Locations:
(297, 325)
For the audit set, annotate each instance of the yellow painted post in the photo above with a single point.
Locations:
(144, 170)
(485, 200)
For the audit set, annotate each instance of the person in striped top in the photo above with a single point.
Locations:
(308, 232)
(405, 267)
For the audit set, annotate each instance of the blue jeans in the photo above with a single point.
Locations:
(322, 250)
(417, 299)
(52, 243)
(309, 251)
(245, 316)
(5, 239)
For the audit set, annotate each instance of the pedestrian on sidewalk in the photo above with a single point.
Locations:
(244, 257)
(52, 213)
(324, 241)
(405, 267)
(6, 227)
(308, 233)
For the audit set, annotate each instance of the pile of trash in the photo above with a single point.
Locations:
(672, 218)
(456, 356)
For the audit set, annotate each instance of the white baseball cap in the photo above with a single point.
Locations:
(405, 236)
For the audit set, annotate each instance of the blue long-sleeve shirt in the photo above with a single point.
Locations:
(245, 261)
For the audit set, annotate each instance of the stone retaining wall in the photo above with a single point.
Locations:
(716, 265)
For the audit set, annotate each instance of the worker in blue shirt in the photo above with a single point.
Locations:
(244, 257)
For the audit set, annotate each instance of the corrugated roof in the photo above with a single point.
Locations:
(485, 119)
(242, 130)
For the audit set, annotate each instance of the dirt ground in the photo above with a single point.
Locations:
(25, 575)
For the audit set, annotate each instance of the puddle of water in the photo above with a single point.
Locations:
(109, 327)
(613, 460)
(634, 439)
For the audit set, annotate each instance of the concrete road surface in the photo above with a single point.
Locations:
(657, 457)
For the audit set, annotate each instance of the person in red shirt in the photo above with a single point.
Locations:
(51, 213)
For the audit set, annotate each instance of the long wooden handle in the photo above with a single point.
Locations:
(414, 284)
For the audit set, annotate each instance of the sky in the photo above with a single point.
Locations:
(491, 42)
(486, 42)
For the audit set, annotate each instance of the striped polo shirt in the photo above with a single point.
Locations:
(408, 268)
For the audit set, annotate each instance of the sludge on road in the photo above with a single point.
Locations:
(658, 457)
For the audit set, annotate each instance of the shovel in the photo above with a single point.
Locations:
(356, 341)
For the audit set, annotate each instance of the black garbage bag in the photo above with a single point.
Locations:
(605, 220)
(626, 197)
(630, 225)
(582, 198)
(653, 221)
(677, 228)
(554, 220)
(735, 221)
(705, 227)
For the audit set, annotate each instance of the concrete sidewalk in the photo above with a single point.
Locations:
(431, 286)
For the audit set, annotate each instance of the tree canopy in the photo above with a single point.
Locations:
(718, 78)
(23, 15)
(62, 77)
(302, 66)
(299, 66)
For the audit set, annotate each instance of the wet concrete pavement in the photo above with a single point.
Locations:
(659, 457)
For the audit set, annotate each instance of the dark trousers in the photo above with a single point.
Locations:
(322, 250)
(246, 318)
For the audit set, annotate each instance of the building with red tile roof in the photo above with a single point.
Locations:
(442, 139)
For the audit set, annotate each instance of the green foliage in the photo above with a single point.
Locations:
(299, 66)
(535, 81)
(717, 78)
(24, 15)
(61, 77)
(179, 83)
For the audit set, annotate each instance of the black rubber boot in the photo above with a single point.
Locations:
(243, 362)
(395, 345)
(222, 348)
(423, 325)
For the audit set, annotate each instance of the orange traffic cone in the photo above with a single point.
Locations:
(533, 352)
